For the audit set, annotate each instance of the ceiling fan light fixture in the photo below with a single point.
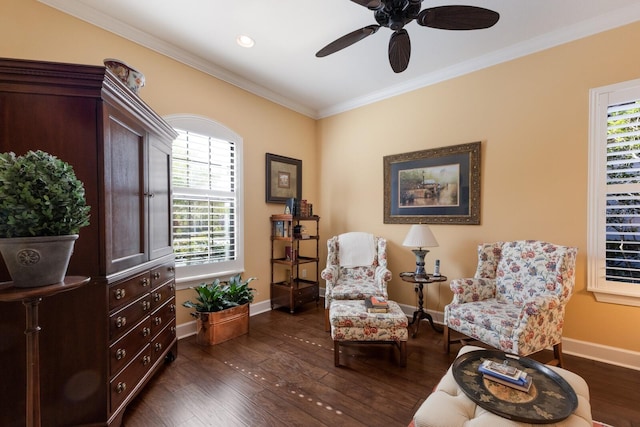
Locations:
(245, 41)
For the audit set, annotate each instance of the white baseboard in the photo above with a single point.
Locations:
(588, 350)
(602, 353)
(184, 330)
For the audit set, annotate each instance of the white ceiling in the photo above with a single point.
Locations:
(282, 65)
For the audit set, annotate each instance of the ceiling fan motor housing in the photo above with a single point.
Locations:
(395, 14)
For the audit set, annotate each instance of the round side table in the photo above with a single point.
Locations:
(420, 313)
(30, 298)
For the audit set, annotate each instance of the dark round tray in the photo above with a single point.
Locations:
(550, 399)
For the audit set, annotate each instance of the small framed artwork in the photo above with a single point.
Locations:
(435, 186)
(283, 178)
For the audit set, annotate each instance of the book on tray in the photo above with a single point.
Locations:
(524, 387)
(376, 305)
(505, 374)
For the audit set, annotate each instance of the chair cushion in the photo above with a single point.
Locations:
(485, 320)
(507, 327)
(356, 288)
(448, 406)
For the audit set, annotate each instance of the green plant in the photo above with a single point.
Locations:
(40, 196)
(220, 295)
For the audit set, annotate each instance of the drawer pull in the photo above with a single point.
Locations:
(121, 387)
(157, 320)
(171, 269)
(158, 346)
(172, 308)
(146, 332)
(120, 293)
(156, 275)
(145, 282)
(173, 331)
(157, 296)
(121, 354)
(121, 321)
(146, 305)
(146, 360)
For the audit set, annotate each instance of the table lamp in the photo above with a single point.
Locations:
(420, 236)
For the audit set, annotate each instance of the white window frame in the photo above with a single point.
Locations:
(188, 275)
(600, 100)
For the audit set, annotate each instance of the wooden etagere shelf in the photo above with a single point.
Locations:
(294, 260)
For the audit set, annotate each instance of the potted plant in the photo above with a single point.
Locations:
(42, 208)
(222, 309)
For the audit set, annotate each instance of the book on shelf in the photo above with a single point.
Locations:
(290, 254)
(525, 386)
(503, 371)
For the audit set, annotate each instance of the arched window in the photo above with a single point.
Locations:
(207, 199)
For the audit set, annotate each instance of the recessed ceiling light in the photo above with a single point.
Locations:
(245, 41)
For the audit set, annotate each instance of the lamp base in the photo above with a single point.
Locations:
(420, 254)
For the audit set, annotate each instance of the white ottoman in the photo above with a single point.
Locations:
(448, 406)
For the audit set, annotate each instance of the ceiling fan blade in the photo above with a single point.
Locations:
(399, 50)
(371, 4)
(347, 40)
(458, 18)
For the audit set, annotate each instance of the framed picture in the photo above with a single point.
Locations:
(284, 178)
(435, 186)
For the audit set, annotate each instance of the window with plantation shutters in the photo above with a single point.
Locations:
(614, 194)
(207, 216)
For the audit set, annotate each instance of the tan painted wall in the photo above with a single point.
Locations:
(35, 31)
(531, 115)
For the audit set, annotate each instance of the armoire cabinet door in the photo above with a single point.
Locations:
(125, 193)
(160, 240)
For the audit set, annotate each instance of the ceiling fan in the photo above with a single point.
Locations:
(395, 14)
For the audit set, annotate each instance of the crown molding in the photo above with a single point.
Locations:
(580, 30)
(99, 19)
(577, 31)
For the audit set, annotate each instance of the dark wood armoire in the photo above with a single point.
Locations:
(101, 343)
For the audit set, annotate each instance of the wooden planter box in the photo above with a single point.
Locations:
(214, 328)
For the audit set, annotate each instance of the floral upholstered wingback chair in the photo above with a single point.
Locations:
(516, 300)
(356, 268)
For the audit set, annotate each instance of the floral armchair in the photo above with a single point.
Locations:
(516, 300)
(355, 282)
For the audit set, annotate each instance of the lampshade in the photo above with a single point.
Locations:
(420, 236)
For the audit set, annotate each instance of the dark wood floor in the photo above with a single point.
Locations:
(282, 374)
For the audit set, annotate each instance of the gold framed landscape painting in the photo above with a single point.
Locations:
(434, 186)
